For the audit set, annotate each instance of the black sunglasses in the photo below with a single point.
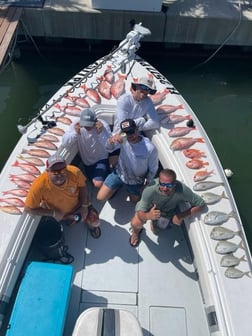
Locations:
(167, 185)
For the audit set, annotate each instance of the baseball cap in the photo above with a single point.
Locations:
(128, 126)
(87, 118)
(55, 158)
(148, 82)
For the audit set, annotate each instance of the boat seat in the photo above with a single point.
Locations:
(42, 300)
(107, 322)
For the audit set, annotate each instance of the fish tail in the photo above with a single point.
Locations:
(15, 163)
(241, 245)
(181, 106)
(200, 140)
(223, 195)
(206, 163)
(243, 258)
(247, 274)
(188, 117)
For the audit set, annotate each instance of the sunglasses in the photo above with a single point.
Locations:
(58, 172)
(167, 185)
(143, 87)
(131, 131)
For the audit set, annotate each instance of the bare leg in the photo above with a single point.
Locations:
(137, 227)
(105, 193)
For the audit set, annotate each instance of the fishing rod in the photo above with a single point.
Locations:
(132, 40)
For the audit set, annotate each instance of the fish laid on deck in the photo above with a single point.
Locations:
(218, 217)
(205, 185)
(221, 233)
(235, 273)
(230, 260)
(212, 198)
(225, 247)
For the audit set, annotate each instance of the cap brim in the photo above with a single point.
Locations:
(87, 124)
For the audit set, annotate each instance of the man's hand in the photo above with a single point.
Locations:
(77, 128)
(154, 213)
(99, 126)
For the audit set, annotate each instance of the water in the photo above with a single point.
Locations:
(219, 92)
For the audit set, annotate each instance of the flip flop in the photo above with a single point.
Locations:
(95, 232)
(138, 238)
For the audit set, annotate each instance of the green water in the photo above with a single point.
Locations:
(219, 92)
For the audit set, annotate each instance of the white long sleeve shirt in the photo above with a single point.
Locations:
(91, 145)
(128, 107)
(137, 161)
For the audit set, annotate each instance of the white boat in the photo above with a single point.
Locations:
(173, 283)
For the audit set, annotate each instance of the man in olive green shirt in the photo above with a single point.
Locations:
(160, 203)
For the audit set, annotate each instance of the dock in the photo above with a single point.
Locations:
(210, 22)
(9, 18)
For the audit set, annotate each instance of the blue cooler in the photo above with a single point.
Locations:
(42, 301)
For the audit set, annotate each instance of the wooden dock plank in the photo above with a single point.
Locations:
(9, 18)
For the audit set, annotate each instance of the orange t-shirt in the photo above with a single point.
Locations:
(64, 198)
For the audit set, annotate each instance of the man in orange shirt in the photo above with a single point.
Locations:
(61, 192)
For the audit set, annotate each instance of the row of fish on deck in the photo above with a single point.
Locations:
(218, 233)
(107, 88)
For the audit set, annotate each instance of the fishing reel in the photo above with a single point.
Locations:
(36, 132)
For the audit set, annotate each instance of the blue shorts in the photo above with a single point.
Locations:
(97, 171)
(114, 182)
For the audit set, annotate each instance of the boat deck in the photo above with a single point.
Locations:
(110, 273)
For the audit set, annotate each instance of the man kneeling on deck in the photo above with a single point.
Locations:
(61, 192)
(160, 204)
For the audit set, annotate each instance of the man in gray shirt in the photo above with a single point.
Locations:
(160, 203)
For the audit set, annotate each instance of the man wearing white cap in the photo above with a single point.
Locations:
(90, 134)
(138, 106)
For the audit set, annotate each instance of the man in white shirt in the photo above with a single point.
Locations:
(138, 106)
(137, 164)
(90, 134)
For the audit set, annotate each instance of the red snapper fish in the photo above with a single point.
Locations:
(166, 109)
(71, 110)
(31, 159)
(196, 164)
(118, 87)
(158, 97)
(176, 118)
(63, 120)
(37, 152)
(44, 144)
(179, 131)
(103, 88)
(21, 183)
(109, 75)
(16, 192)
(183, 143)
(10, 209)
(49, 137)
(193, 153)
(201, 175)
(92, 94)
(27, 167)
(56, 131)
(25, 177)
(13, 201)
(81, 101)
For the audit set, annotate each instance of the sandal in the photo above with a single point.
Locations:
(95, 232)
(137, 237)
